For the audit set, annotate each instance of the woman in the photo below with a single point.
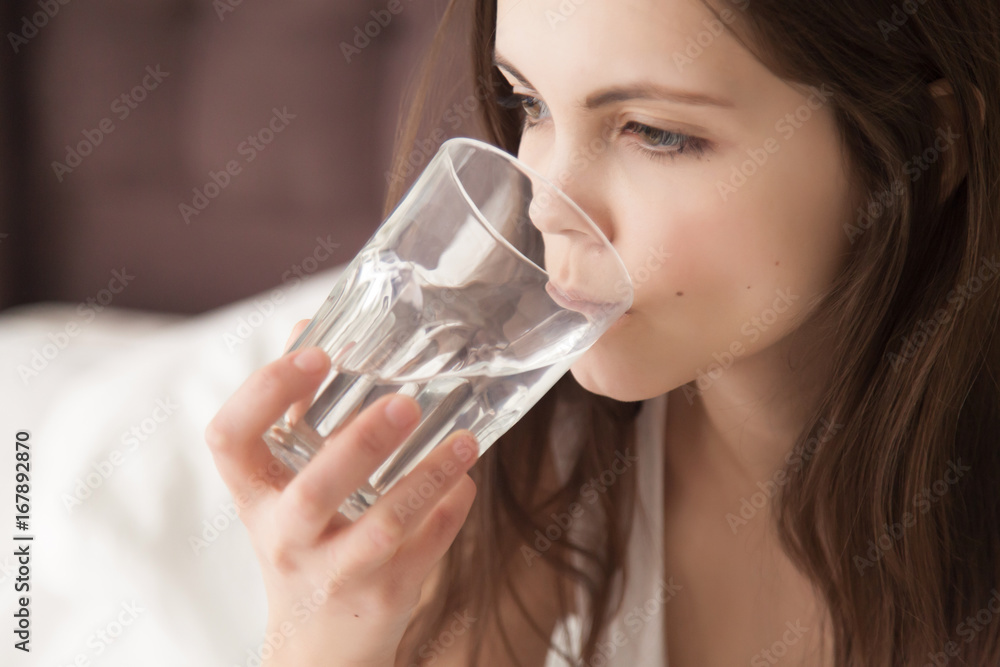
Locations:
(819, 185)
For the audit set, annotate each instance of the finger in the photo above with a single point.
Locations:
(411, 499)
(298, 408)
(311, 500)
(431, 540)
(296, 332)
(388, 524)
(234, 434)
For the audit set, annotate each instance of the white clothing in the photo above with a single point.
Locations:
(635, 636)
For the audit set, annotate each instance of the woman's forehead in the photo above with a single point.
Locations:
(680, 44)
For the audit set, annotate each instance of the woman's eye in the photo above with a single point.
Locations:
(532, 106)
(664, 142)
(654, 142)
(534, 109)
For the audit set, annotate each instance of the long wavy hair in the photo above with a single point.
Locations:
(895, 519)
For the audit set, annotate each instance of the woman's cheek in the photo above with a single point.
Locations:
(678, 252)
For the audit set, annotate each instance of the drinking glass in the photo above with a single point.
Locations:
(474, 297)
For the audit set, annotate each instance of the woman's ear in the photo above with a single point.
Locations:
(954, 158)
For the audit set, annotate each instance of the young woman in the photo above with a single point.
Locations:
(807, 196)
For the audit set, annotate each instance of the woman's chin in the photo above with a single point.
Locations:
(605, 379)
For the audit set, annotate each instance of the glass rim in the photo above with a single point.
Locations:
(518, 164)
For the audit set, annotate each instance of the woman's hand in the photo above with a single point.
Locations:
(339, 593)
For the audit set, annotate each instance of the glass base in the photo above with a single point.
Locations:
(358, 503)
(291, 447)
(296, 449)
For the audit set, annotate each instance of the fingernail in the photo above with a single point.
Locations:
(401, 412)
(310, 360)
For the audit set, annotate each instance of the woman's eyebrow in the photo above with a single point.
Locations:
(638, 91)
(651, 91)
(503, 63)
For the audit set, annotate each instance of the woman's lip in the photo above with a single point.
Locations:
(570, 300)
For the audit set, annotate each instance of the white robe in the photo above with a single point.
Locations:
(635, 636)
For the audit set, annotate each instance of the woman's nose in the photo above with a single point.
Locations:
(567, 201)
(579, 254)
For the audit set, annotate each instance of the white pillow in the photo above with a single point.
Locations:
(123, 486)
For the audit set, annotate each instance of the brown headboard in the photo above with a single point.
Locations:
(213, 147)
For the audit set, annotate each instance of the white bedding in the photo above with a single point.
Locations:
(122, 560)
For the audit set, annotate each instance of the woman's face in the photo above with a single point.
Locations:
(723, 188)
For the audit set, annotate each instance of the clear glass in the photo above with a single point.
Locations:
(477, 293)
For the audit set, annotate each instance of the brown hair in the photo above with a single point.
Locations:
(894, 518)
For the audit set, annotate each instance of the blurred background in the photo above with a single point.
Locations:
(117, 114)
(180, 182)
